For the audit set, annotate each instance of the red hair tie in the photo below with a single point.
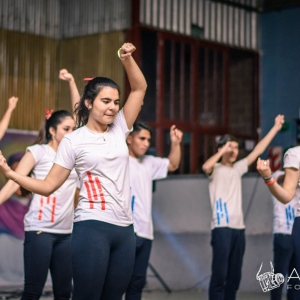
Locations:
(48, 113)
(88, 78)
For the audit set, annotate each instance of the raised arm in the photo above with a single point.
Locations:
(263, 144)
(137, 84)
(284, 193)
(175, 151)
(12, 103)
(208, 166)
(74, 93)
(24, 167)
(56, 177)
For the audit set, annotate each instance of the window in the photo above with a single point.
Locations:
(205, 89)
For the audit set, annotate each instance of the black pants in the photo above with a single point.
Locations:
(228, 247)
(293, 285)
(102, 260)
(284, 263)
(138, 278)
(44, 251)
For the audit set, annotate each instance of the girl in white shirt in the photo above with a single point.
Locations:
(48, 223)
(103, 242)
(285, 194)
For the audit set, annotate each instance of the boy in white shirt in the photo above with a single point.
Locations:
(143, 170)
(228, 228)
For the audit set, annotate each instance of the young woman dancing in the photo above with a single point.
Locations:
(103, 241)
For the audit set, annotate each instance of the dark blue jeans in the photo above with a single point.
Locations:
(44, 251)
(228, 247)
(284, 263)
(102, 260)
(138, 278)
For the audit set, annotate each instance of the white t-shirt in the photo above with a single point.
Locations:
(292, 160)
(225, 190)
(284, 214)
(101, 162)
(142, 172)
(54, 213)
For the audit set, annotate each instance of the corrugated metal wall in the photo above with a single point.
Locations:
(82, 17)
(29, 67)
(90, 56)
(212, 20)
(65, 18)
(27, 70)
(39, 17)
(32, 51)
(215, 21)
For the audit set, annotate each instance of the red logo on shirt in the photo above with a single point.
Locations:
(94, 193)
(44, 202)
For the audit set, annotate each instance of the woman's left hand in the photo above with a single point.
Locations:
(263, 168)
(126, 50)
(4, 168)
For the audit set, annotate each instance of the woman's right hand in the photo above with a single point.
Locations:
(65, 75)
(12, 102)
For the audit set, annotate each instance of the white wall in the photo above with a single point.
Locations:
(181, 250)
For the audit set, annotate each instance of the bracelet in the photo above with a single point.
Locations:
(270, 182)
(267, 178)
(119, 55)
(15, 180)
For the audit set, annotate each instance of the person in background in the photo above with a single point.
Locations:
(12, 212)
(228, 228)
(143, 170)
(49, 220)
(65, 75)
(285, 194)
(283, 250)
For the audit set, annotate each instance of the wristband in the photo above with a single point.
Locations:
(119, 55)
(15, 180)
(267, 178)
(270, 182)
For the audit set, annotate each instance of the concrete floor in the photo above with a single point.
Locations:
(158, 295)
(199, 295)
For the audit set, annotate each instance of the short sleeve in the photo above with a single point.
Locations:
(241, 166)
(291, 159)
(121, 123)
(65, 155)
(211, 176)
(37, 152)
(159, 167)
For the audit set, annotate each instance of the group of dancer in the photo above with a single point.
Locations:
(96, 246)
(228, 236)
(101, 169)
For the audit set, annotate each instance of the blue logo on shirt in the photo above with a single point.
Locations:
(290, 216)
(221, 211)
(132, 202)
